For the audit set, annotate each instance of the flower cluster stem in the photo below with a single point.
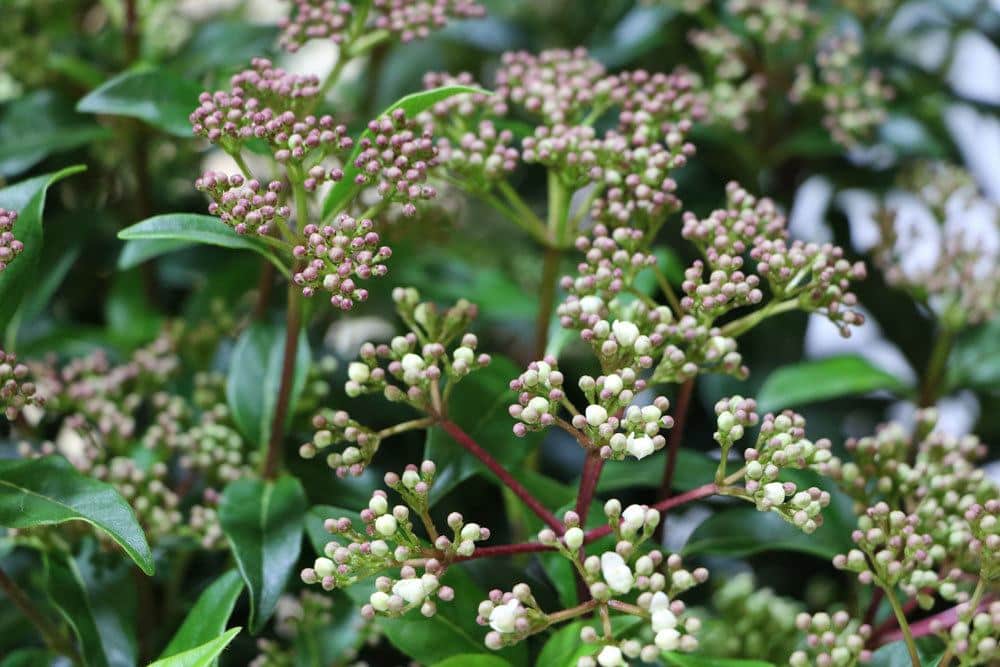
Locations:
(931, 385)
(676, 436)
(293, 325)
(471, 446)
(904, 626)
(546, 299)
(592, 467)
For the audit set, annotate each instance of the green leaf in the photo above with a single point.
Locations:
(49, 490)
(263, 523)
(201, 656)
(479, 405)
(131, 319)
(39, 124)
(191, 228)
(152, 94)
(474, 660)
(209, 616)
(743, 531)
(345, 189)
(639, 31)
(255, 377)
(28, 199)
(822, 380)
(975, 358)
(27, 657)
(68, 594)
(137, 251)
(224, 43)
(564, 647)
(897, 655)
(692, 660)
(693, 469)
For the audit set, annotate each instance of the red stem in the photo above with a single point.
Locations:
(470, 445)
(676, 435)
(873, 606)
(698, 493)
(508, 550)
(592, 467)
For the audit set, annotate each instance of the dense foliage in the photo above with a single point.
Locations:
(458, 332)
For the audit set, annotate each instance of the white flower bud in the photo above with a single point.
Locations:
(471, 531)
(379, 505)
(640, 447)
(464, 354)
(663, 619)
(774, 493)
(386, 525)
(596, 415)
(358, 372)
(616, 572)
(625, 332)
(411, 590)
(667, 640)
(591, 304)
(503, 618)
(610, 656)
(573, 538)
(379, 600)
(412, 363)
(632, 518)
(324, 567)
(613, 383)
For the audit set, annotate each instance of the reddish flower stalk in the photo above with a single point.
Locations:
(676, 435)
(592, 467)
(508, 550)
(470, 445)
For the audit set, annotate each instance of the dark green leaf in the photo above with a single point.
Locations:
(812, 381)
(28, 199)
(693, 469)
(201, 656)
(137, 251)
(192, 228)
(255, 378)
(68, 595)
(639, 31)
(131, 318)
(27, 657)
(690, 660)
(975, 358)
(48, 490)
(479, 406)
(39, 124)
(897, 655)
(224, 43)
(209, 616)
(474, 660)
(152, 94)
(111, 591)
(263, 522)
(564, 647)
(345, 189)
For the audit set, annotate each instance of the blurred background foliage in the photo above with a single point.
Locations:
(941, 56)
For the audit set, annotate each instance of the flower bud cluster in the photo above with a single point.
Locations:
(295, 618)
(464, 109)
(156, 506)
(10, 247)
(418, 360)
(973, 638)
(832, 640)
(696, 347)
(773, 20)
(479, 156)
(657, 107)
(984, 533)
(782, 444)
(730, 94)
(16, 386)
(892, 552)
(216, 451)
(561, 86)
(751, 622)
(657, 579)
(396, 154)
(248, 206)
(389, 542)
(637, 188)
(962, 283)
(853, 98)
(334, 255)
(344, 23)
(335, 427)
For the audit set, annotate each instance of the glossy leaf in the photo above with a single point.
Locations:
(28, 199)
(190, 228)
(564, 647)
(345, 189)
(640, 30)
(113, 600)
(693, 469)
(137, 251)
(39, 124)
(896, 654)
(68, 595)
(200, 656)
(152, 94)
(209, 616)
(263, 523)
(822, 380)
(224, 43)
(479, 405)
(49, 490)
(975, 358)
(255, 378)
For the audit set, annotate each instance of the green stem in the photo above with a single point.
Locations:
(403, 427)
(667, 289)
(572, 612)
(514, 201)
(904, 625)
(546, 298)
(558, 218)
(742, 325)
(931, 385)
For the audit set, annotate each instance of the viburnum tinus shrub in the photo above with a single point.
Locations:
(515, 369)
